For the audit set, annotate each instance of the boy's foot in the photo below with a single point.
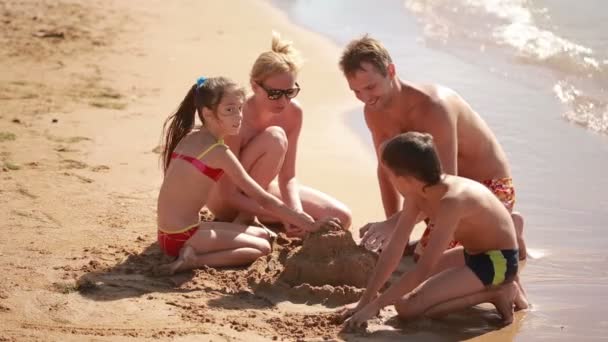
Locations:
(503, 301)
(520, 300)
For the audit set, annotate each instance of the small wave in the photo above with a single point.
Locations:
(512, 25)
(584, 110)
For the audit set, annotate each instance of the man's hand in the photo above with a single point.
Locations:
(376, 235)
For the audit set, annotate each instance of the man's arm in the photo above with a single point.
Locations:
(391, 199)
(443, 127)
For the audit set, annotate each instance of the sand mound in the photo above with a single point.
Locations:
(328, 268)
(329, 258)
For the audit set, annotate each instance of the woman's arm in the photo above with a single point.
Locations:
(237, 174)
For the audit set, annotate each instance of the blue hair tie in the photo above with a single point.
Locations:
(200, 81)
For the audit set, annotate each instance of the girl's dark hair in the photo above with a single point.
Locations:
(413, 154)
(208, 94)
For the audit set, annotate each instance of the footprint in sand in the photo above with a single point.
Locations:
(73, 164)
(38, 216)
(23, 191)
(33, 165)
(65, 149)
(79, 177)
(100, 168)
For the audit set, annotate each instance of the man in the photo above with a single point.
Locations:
(462, 208)
(465, 144)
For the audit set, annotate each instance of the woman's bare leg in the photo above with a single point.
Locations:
(262, 157)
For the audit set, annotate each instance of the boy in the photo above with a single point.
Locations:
(463, 209)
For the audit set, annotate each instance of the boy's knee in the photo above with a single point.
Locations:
(405, 306)
(277, 137)
(402, 309)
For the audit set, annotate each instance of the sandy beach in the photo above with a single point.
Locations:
(84, 89)
(83, 101)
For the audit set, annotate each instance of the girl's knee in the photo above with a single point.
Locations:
(264, 247)
(258, 232)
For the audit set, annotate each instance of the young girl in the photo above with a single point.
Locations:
(193, 160)
(267, 144)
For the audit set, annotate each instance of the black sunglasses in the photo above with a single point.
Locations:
(275, 94)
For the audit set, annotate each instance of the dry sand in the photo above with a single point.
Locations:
(84, 89)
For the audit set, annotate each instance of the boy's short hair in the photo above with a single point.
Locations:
(413, 154)
(365, 49)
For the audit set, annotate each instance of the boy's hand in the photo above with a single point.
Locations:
(376, 235)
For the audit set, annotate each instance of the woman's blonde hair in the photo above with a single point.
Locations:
(281, 58)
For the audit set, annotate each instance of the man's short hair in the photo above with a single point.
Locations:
(365, 49)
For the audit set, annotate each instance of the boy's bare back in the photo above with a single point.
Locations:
(483, 221)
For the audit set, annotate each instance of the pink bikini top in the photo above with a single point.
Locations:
(208, 171)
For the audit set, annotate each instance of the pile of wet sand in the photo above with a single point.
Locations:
(326, 268)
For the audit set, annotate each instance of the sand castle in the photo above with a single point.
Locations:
(328, 268)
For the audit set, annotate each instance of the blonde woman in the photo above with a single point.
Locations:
(267, 145)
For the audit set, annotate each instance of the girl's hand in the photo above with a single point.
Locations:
(292, 230)
(347, 310)
(359, 319)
